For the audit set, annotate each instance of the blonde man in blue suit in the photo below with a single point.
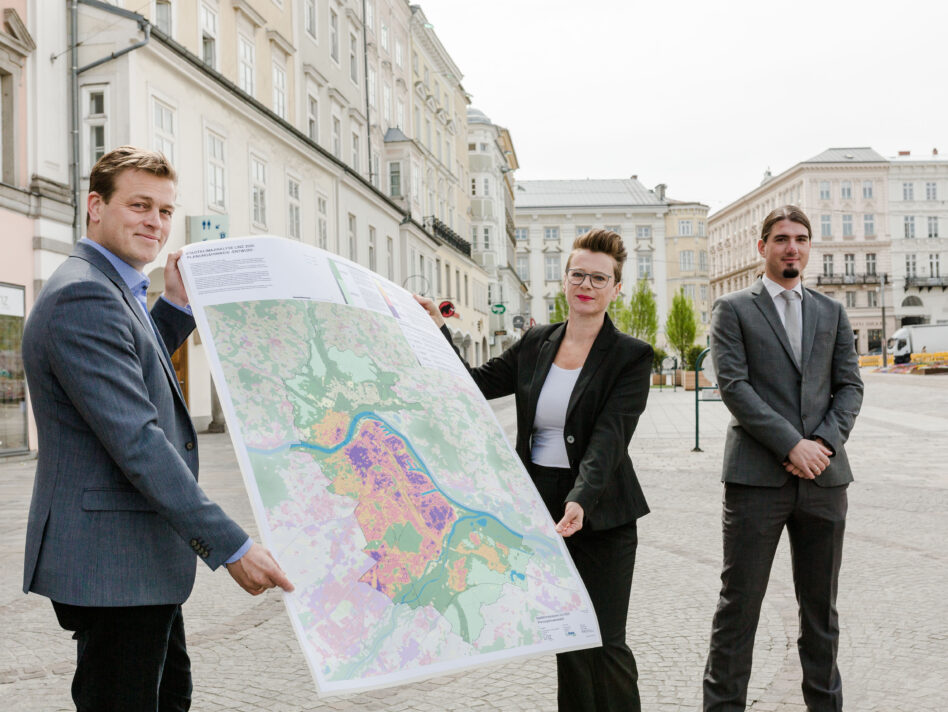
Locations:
(787, 370)
(117, 517)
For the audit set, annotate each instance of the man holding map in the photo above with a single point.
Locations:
(117, 516)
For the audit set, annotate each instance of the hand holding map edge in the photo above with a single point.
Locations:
(572, 520)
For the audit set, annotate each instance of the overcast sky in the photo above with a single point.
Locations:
(702, 96)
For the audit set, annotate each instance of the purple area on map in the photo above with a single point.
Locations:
(359, 456)
(437, 517)
(416, 478)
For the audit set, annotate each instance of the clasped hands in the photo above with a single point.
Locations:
(808, 459)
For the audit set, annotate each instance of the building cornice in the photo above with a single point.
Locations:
(280, 41)
(243, 7)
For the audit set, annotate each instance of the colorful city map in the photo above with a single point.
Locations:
(388, 493)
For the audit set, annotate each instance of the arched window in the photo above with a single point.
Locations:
(912, 301)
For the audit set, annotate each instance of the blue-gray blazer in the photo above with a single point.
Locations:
(117, 515)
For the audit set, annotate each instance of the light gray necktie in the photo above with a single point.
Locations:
(791, 322)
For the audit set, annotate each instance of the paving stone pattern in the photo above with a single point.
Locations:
(893, 604)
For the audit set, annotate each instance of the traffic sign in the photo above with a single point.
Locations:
(498, 308)
(518, 322)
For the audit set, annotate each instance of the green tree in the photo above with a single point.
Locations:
(681, 326)
(620, 314)
(560, 309)
(643, 313)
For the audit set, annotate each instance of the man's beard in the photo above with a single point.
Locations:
(790, 273)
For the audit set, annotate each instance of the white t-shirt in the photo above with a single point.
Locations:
(549, 448)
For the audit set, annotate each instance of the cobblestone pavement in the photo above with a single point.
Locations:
(893, 607)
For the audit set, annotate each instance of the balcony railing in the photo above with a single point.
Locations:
(448, 236)
(827, 279)
(928, 282)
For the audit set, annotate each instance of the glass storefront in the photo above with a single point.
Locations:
(13, 434)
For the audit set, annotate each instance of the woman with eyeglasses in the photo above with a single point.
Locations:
(580, 388)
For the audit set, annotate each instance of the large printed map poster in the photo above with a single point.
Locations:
(378, 474)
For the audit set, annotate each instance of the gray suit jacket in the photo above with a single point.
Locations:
(773, 400)
(117, 515)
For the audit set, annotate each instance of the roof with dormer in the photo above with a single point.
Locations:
(583, 193)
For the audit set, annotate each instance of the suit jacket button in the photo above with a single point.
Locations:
(194, 543)
(570, 439)
(189, 445)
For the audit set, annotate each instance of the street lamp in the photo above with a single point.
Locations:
(885, 360)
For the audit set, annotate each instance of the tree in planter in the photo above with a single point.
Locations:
(691, 356)
(643, 313)
(560, 309)
(681, 326)
(620, 314)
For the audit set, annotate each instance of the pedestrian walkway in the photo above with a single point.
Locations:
(893, 608)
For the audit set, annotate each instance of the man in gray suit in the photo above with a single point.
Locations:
(117, 517)
(787, 370)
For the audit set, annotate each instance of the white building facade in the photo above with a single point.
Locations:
(551, 214)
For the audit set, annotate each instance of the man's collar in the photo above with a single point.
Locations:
(773, 289)
(131, 276)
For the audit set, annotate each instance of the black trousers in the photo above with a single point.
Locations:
(128, 658)
(753, 520)
(603, 679)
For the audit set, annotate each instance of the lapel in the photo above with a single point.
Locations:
(545, 356)
(597, 354)
(97, 260)
(766, 305)
(810, 319)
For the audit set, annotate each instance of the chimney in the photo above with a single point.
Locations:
(905, 153)
(660, 191)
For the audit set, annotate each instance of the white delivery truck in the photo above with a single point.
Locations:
(916, 338)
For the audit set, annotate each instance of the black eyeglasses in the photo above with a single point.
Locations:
(596, 279)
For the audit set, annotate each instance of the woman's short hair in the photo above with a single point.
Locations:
(787, 212)
(605, 241)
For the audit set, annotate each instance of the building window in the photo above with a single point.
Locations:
(336, 137)
(826, 225)
(486, 233)
(908, 191)
(312, 118)
(551, 233)
(582, 229)
(322, 220)
(910, 266)
(643, 232)
(395, 179)
(245, 61)
(399, 53)
(487, 186)
(827, 265)
(847, 225)
(850, 299)
(372, 259)
(934, 265)
(164, 129)
(355, 151)
(258, 182)
(645, 266)
(703, 260)
(702, 229)
(163, 16)
(96, 122)
(279, 90)
(334, 35)
(704, 292)
(474, 236)
(474, 186)
(400, 114)
(216, 193)
(383, 36)
(933, 226)
(686, 260)
(353, 59)
(849, 265)
(551, 267)
(931, 191)
(867, 189)
(824, 190)
(371, 87)
(13, 422)
(293, 222)
(846, 190)
(352, 237)
(209, 36)
(523, 267)
(387, 104)
(521, 233)
(908, 224)
(870, 263)
(869, 224)
(310, 18)
(873, 298)
(685, 228)
(689, 291)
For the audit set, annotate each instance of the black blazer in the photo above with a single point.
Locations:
(603, 411)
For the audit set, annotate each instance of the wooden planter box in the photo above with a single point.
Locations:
(690, 380)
